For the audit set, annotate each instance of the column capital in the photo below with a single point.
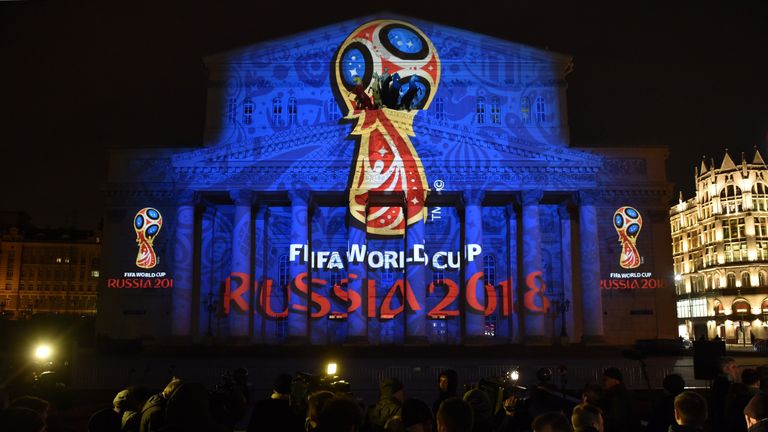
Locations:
(588, 197)
(474, 196)
(242, 197)
(531, 197)
(187, 197)
(299, 196)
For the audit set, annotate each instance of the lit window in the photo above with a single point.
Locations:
(745, 280)
(495, 111)
(94, 273)
(247, 111)
(480, 110)
(490, 325)
(489, 268)
(292, 111)
(731, 280)
(58, 260)
(541, 110)
(525, 110)
(277, 111)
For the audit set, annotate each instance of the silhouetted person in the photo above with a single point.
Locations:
(663, 415)
(417, 416)
(447, 383)
(454, 415)
(617, 403)
(275, 413)
(482, 410)
(153, 413)
(110, 419)
(21, 419)
(388, 408)
(721, 386)
(315, 403)
(340, 414)
(587, 418)
(756, 413)
(738, 398)
(551, 422)
(545, 397)
(690, 412)
(592, 394)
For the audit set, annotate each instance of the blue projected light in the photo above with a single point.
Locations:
(354, 66)
(153, 214)
(405, 40)
(618, 221)
(139, 222)
(631, 212)
(421, 91)
(152, 230)
(633, 228)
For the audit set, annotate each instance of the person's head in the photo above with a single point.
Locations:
(690, 409)
(316, 402)
(454, 415)
(586, 416)
(612, 377)
(592, 394)
(756, 409)
(21, 419)
(551, 422)
(728, 367)
(340, 414)
(750, 378)
(447, 381)
(392, 387)
(417, 416)
(762, 372)
(673, 384)
(482, 407)
(171, 387)
(40, 406)
(544, 375)
(282, 385)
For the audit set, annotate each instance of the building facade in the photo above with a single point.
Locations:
(720, 250)
(387, 181)
(49, 272)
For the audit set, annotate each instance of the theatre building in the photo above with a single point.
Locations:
(720, 249)
(387, 181)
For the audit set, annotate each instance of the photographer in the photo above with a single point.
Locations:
(275, 413)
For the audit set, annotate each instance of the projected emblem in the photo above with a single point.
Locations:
(386, 71)
(147, 224)
(627, 221)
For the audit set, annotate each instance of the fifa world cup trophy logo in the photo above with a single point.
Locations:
(147, 224)
(627, 221)
(398, 64)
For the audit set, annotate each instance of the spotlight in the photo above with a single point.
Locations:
(43, 352)
(514, 375)
(331, 368)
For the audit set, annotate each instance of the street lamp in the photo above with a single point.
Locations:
(565, 305)
(211, 305)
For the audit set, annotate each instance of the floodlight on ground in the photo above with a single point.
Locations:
(331, 368)
(43, 352)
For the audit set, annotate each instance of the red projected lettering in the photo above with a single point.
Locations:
(149, 283)
(450, 296)
(535, 291)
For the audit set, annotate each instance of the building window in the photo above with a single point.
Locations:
(281, 328)
(490, 325)
(480, 115)
(387, 276)
(336, 277)
(761, 279)
(292, 111)
(525, 110)
(277, 111)
(438, 277)
(94, 273)
(541, 111)
(731, 280)
(495, 111)
(489, 269)
(333, 110)
(248, 111)
(760, 197)
(231, 113)
(745, 280)
(284, 273)
(440, 109)
(730, 199)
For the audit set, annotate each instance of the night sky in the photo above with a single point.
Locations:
(79, 78)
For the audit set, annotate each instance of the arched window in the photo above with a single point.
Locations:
(762, 279)
(277, 111)
(284, 274)
(231, 110)
(247, 111)
(489, 269)
(760, 197)
(292, 111)
(495, 111)
(730, 280)
(333, 110)
(541, 110)
(480, 115)
(741, 307)
(764, 306)
(439, 109)
(525, 110)
(730, 199)
(718, 306)
(745, 280)
(709, 282)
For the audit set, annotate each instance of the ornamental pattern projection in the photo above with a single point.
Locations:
(379, 181)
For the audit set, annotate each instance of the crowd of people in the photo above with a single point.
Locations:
(737, 401)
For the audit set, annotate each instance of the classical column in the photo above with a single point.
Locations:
(241, 285)
(513, 307)
(416, 321)
(259, 271)
(474, 319)
(591, 297)
(298, 315)
(357, 322)
(535, 302)
(183, 269)
(566, 251)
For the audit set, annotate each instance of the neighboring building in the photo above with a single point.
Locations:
(253, 237)
(48, 272)
(720, 252)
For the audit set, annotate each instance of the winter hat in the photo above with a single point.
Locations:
(122, 399)
(390, 386)
(614, 373)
